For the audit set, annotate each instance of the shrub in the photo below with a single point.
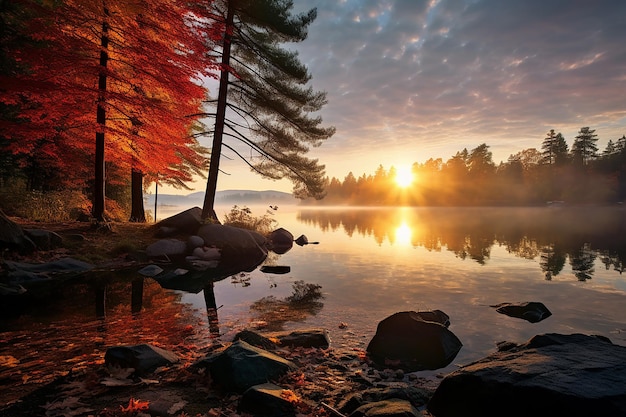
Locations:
(51, 206)
(242, 217)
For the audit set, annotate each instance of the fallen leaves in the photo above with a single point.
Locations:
(135, 405)
(290, 396)
(67, 407)
(8, 361)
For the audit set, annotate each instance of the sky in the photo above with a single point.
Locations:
(410, 80)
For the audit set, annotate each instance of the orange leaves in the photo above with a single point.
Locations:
(157, 52)
(290, 396)
(135, 406)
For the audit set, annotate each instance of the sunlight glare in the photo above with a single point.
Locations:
(404, 176)
(403, 234)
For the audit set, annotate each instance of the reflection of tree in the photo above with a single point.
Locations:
(302, 303)
(552, 261)
(611, 259)
(582, 263)
(62, 334)
(470, 233)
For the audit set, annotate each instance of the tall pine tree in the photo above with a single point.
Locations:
(267, 105)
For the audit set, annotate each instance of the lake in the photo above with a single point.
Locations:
(369, 263)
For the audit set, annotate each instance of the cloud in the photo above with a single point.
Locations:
(443, 75)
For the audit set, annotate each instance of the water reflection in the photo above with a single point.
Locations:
(403, 234)
(553, 236)
(71, 328)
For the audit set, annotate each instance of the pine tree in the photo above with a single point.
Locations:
(547, 148)
(267, 105)
(584, 147)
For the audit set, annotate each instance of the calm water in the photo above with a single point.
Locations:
(370, 263)
(374, 262)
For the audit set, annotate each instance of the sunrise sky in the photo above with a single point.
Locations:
(409, 80)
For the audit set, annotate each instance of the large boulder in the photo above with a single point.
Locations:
(168, 248)
(185, 222)
(44, 239)
(12, 236)
(551, 375)
(411, 341)
(241, 366)
(233, 242)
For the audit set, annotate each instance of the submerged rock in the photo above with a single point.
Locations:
(530, 311)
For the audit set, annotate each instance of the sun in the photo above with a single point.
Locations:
(404, 176)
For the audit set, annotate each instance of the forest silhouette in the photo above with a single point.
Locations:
(528, 178)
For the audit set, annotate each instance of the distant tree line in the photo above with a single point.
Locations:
(577, 175)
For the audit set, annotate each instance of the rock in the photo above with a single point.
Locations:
(24, 273)
(276, 269)
(281, 241)
(316, 338)
(388, 408)
(266, 400)
(143, 358)
(417, 397)
(59, 266)
(167, 248)
(302, 240)
(405, 340)
(255, 339)
(12, 236)
(185, 222)
(166, 231)
(44, 239)
(207, 254)
(150, 270)
(233, 241)
(194, 241)
(436, 316)
(530, 311)
(551, 375)
(241, 366)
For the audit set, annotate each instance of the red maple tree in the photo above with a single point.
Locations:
(127, 71)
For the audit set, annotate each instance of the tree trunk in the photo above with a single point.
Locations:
(208, 209)
(137, 212)
(99, 188)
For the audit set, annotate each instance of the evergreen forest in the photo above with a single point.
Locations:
(579, 174)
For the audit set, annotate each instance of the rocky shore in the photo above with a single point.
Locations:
(301, 373)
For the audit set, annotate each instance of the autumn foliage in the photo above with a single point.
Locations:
(157, 55)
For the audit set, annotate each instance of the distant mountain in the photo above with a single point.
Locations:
(226, 197)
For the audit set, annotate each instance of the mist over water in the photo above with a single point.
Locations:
(373, 262)
(370, 263)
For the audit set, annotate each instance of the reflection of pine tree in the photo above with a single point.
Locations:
(582, 263)
(613, 260)
(552, 261)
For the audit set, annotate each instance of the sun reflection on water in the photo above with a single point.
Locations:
(403, 234)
